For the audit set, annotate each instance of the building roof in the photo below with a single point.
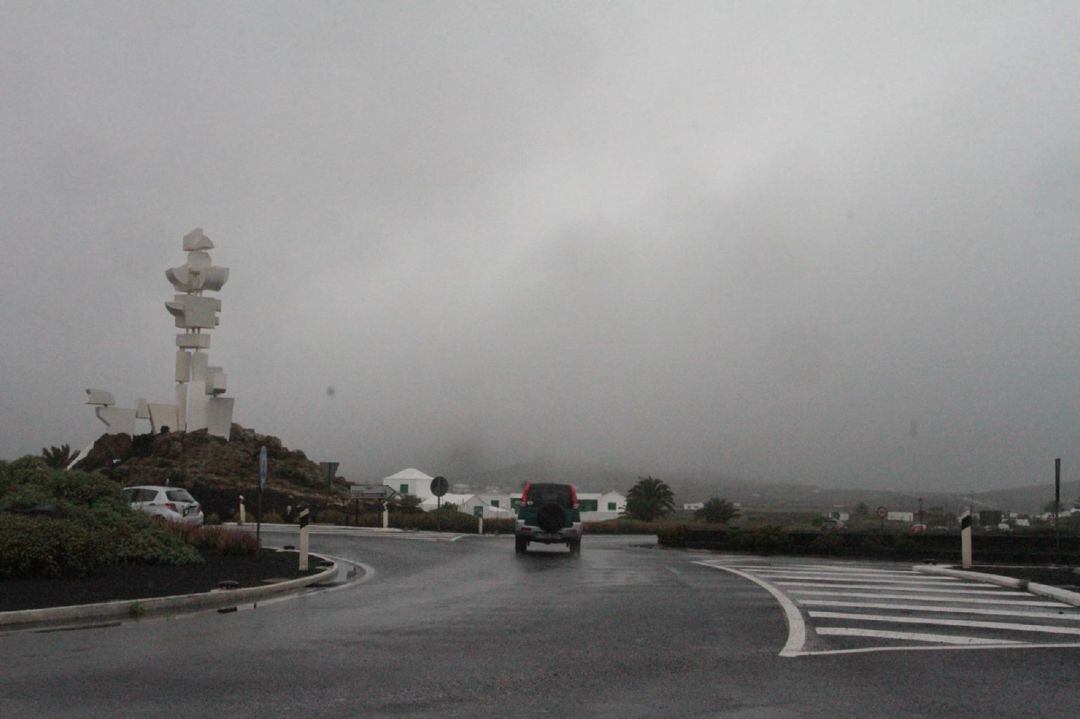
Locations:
(409, 473)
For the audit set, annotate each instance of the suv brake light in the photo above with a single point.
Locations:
(525, 493)
(573, 497)
(172, 507)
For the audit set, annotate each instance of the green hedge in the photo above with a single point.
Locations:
(777, 540)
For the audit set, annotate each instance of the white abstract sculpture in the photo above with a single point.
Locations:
(199, 404)
(116, 419)
(198, 386)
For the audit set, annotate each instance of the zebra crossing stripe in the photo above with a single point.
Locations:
(901, 588)
(830, 570)
(927, 598)
(942, 610)
(1009, 626)
(910, 636)
(873, 580)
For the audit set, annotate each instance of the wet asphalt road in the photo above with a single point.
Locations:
(468, 629)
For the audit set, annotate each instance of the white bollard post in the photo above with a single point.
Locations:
(965, 539)
(385, 516)
(243, 517)
(305, 515)
(481, 524)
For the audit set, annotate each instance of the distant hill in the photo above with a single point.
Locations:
(1032, 498)
(697, 487)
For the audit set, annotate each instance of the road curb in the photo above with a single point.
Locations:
(128, 608)
(1042, 590)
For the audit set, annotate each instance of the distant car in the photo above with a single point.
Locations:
(548, 514)
(172, 503)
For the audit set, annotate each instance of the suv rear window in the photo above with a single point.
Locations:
(558, 493)
(179, 495)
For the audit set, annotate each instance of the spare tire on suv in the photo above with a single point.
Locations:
(548, 514)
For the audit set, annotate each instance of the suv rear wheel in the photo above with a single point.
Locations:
(575, 547)
(520, 544)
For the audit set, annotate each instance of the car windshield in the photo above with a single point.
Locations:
(544, 493)
(179, 495)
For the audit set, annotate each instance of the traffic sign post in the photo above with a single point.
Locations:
(1057, 508)
(380, 493)
(439, 486)
(882, 513)
(329, 470)
(305, 517)
(258, 503)
(965, 539)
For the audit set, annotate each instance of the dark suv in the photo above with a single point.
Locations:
(548, 514)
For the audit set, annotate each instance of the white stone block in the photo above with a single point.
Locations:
(214, 278)
(99, 396)
(197, 403)
(182, 279)
(162, 415)
(142, 409)
(193, 312)
(215, 380)
(219, 416)
(193, 341)
(181, 407)
(198, 261)
(117, 419)
(196, 240)
(199, 371)
(183, 366)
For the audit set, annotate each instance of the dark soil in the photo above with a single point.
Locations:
(1064, 577)
(133, 581)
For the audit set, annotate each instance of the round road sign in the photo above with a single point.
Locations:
(439, 486)
(883, 512)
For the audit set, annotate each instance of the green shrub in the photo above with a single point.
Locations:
(47, 547)
(829, 545)
(92, 528)
(217, 539)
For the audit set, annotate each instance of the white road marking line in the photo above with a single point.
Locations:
(898, 588)
(945, 648)
(926, 598)
(930, 608)
(1009, 626)
(873, 580)
(910, 636)
(796, 626)
(815, 569)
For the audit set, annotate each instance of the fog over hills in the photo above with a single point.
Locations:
(830, 244)
(701, 486)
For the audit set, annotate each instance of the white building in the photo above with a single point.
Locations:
(693, 506)
(410, 481)
(594, 506)
(901, 516)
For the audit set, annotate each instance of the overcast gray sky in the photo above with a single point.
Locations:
(754, 238)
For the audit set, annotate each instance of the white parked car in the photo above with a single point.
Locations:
(172, 503)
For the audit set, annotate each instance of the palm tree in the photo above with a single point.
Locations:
(649, 499)
(717, 511)
(58, 457)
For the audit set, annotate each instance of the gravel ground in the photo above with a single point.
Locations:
(141, 581)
